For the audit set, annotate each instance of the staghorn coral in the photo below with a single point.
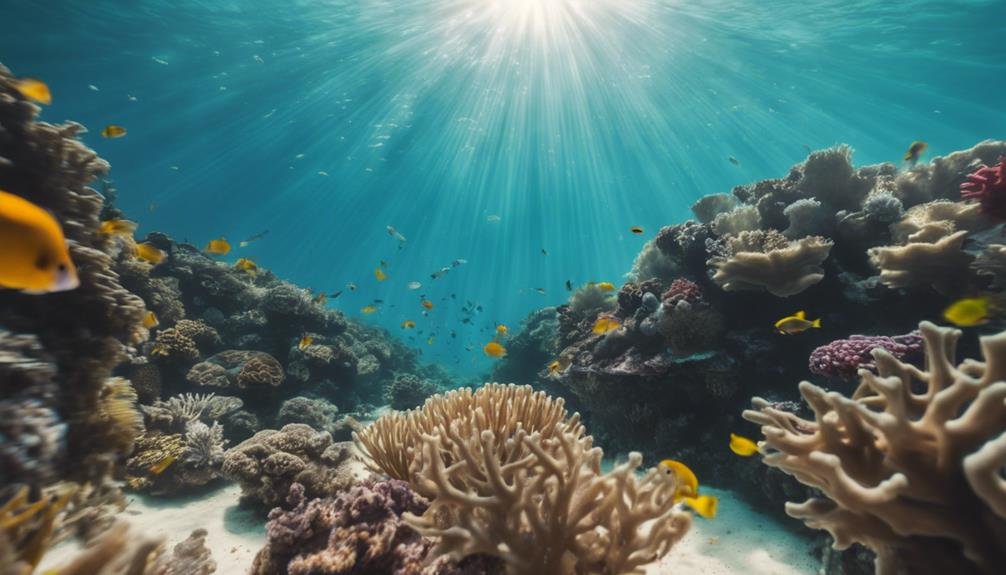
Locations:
(942, 264)
(268, 463)
(91, 325)
(536, 500)
(912, 471)
(782, 271)
(845, 357)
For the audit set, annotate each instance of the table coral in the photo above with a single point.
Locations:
(782, 270)
(911, 470)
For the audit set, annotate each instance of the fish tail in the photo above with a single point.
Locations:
(816, 323)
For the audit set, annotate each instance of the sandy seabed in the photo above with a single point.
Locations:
(739, 540)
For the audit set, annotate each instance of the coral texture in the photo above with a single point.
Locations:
(408, 391)
(845, 357)
(912, 471)
(988, 185)
(782, 271)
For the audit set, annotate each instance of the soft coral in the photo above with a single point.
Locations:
(988, 186)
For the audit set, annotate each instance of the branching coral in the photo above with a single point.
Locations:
(177, 412)
(911, 470)
(204, 445)
(510, 475)
(988, 185)
(26, 528)
(759, 261)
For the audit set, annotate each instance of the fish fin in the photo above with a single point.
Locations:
(800, 315)
(816, 323)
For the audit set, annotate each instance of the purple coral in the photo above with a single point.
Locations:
(682, 289)
(988, 185)
(845, 357)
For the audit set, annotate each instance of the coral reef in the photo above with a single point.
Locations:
(408, 391)
(243, 371)
(912, 472)
(988, 185)
(845, 357)
(484, 458)
(268, 463)
(782, 270)
(87, 330)
(317, 413)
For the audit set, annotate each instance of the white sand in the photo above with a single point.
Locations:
(738, 540)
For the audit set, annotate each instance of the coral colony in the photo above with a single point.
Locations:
(240, 377)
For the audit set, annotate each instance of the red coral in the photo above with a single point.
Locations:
(682, 289)
(988, 186)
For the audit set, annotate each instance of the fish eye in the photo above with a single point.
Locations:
(43, 261)
(61, 267)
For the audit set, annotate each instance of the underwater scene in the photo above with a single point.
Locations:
(502, 287)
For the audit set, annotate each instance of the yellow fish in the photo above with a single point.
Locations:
(247, 265)
(34, 256)
(704, 505)
(118, 227)
(113, 131)
(554, 367)
(35, 90)
(321, 299)
(636, 230)
(968, 312)
(494, 349)
(150, 320)
(605, 286)
(305, 342)
(368, 309)
(218, 247)
(605, 324)
(558, 365)
(796, 323)
(742, 446)
(380, 275)
(429, 340)
(501, 329)
(426, 303)
(408, 324)
(688, 483)
(159, 467)
(149, 253)
(915, 150)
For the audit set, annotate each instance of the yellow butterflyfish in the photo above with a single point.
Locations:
(247, 265)
(688, 483)
(742, 446)
(426, 304)
(113, 131)
(160, 466)
(380, 275)
(796, 323)
(35, 90)
(604, 325)
(501, 329)
(408, 324)
(494, 349)
(218, 247)
(150, 320)
(968, 312)
(118, 227)
(305, 342)
(368, 309)
(605, 286)
(150, 253)
(704, 505)
(35, 257)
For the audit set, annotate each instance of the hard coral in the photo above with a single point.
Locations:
(239, 369)
(845, 357)
(782, 270)
(911, 470)
(268, 463)
(407, 391)
(988, 185)
(319, 413)
(682, 289)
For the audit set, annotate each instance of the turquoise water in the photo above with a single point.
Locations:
(326, 121)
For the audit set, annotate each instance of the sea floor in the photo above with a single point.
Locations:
(739, 540)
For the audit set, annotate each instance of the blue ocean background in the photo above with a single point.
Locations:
(569, 121)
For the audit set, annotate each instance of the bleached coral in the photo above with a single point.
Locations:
(737, 220)
(204, 445)
(911, 470)
(653, 263)
(941, 264)
(808, 217)
(782, 270)
(178, 411)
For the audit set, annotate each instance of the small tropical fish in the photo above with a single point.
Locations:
(494, 349)
(34, 90)
(396, 234)
(426, 304)
(92, 87)
(323, 173)
(915, 151)
(159, 467)
(117, 227)
(368, 309)
(150, 320)
(382, 263)
(543, 252)
(605, 286)
(968, 312)
(335, 294)
(554, 366)
(540, 290)
(159, 349)
(305, 342)
(742, 446)
(569, 285)
(557, 366)
(636, 230)
(414, 285)
(796, 323)
(245, 264)
(604, 325)
(380, 275)
(704, 505)
(255, 237)
(150, 253)
(440, 272)
(688, 483)
(734, 161)
(351, 286)
(321, 298)
(218, 247)
(493, 219)
(113, 131)
(429, 340)
(458, 262)
(408, 324)
(501, 329)
(34, 257)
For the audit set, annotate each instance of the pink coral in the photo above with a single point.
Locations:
(988, 186)
(682, 289)
(845, 357)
